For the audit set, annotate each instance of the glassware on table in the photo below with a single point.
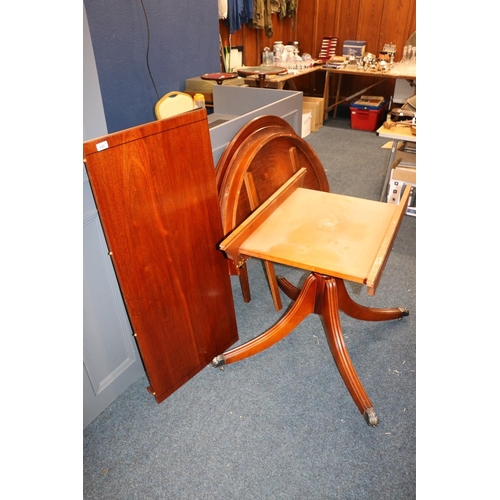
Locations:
(278, 54)
(267, 57)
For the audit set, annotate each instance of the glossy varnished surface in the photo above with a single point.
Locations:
(244, 135)
(262, 156)
(272, 152)
(154, 187)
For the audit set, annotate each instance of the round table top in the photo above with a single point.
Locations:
(262, 70)
(219, 77)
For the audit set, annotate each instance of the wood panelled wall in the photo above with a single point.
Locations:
(376, 21)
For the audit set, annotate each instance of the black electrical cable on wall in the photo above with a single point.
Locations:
(147, 51)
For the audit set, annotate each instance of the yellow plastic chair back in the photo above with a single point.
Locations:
(172, 104)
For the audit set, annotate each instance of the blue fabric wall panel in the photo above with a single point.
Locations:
(184, 42)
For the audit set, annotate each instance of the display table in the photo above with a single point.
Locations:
(278, 81)
(397, 134)
(335, 237)
(356, 72)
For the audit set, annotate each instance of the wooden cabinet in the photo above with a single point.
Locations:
(155, 191)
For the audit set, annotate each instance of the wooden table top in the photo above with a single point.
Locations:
(261, 70)
(218, 77)
(397, 73)
(327, 233)
(398, 133)
(322, 232)
(287, 75)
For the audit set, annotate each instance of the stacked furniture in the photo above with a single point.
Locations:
(287, 216)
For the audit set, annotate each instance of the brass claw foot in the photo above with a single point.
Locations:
(370, 417)
(404, 312)
(218, 362)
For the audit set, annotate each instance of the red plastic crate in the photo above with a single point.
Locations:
(368, 119)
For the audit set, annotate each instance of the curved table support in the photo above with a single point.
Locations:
(347, 305)
(301, 308)
(323, 295)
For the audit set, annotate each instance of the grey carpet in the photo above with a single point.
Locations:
(281, 424)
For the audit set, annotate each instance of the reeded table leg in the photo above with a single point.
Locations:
(245, 285)
(301, 308)
(357, 311)
(323, 295)
(347, 305)
(329, 310)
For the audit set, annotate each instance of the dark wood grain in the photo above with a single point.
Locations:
(267, 149)
(265, 152)
(155, 191)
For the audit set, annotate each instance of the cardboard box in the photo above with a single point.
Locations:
(404, 158)
(355, 47)
(306, 123)
(253, 81)
(402, 176)
(317, 107)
